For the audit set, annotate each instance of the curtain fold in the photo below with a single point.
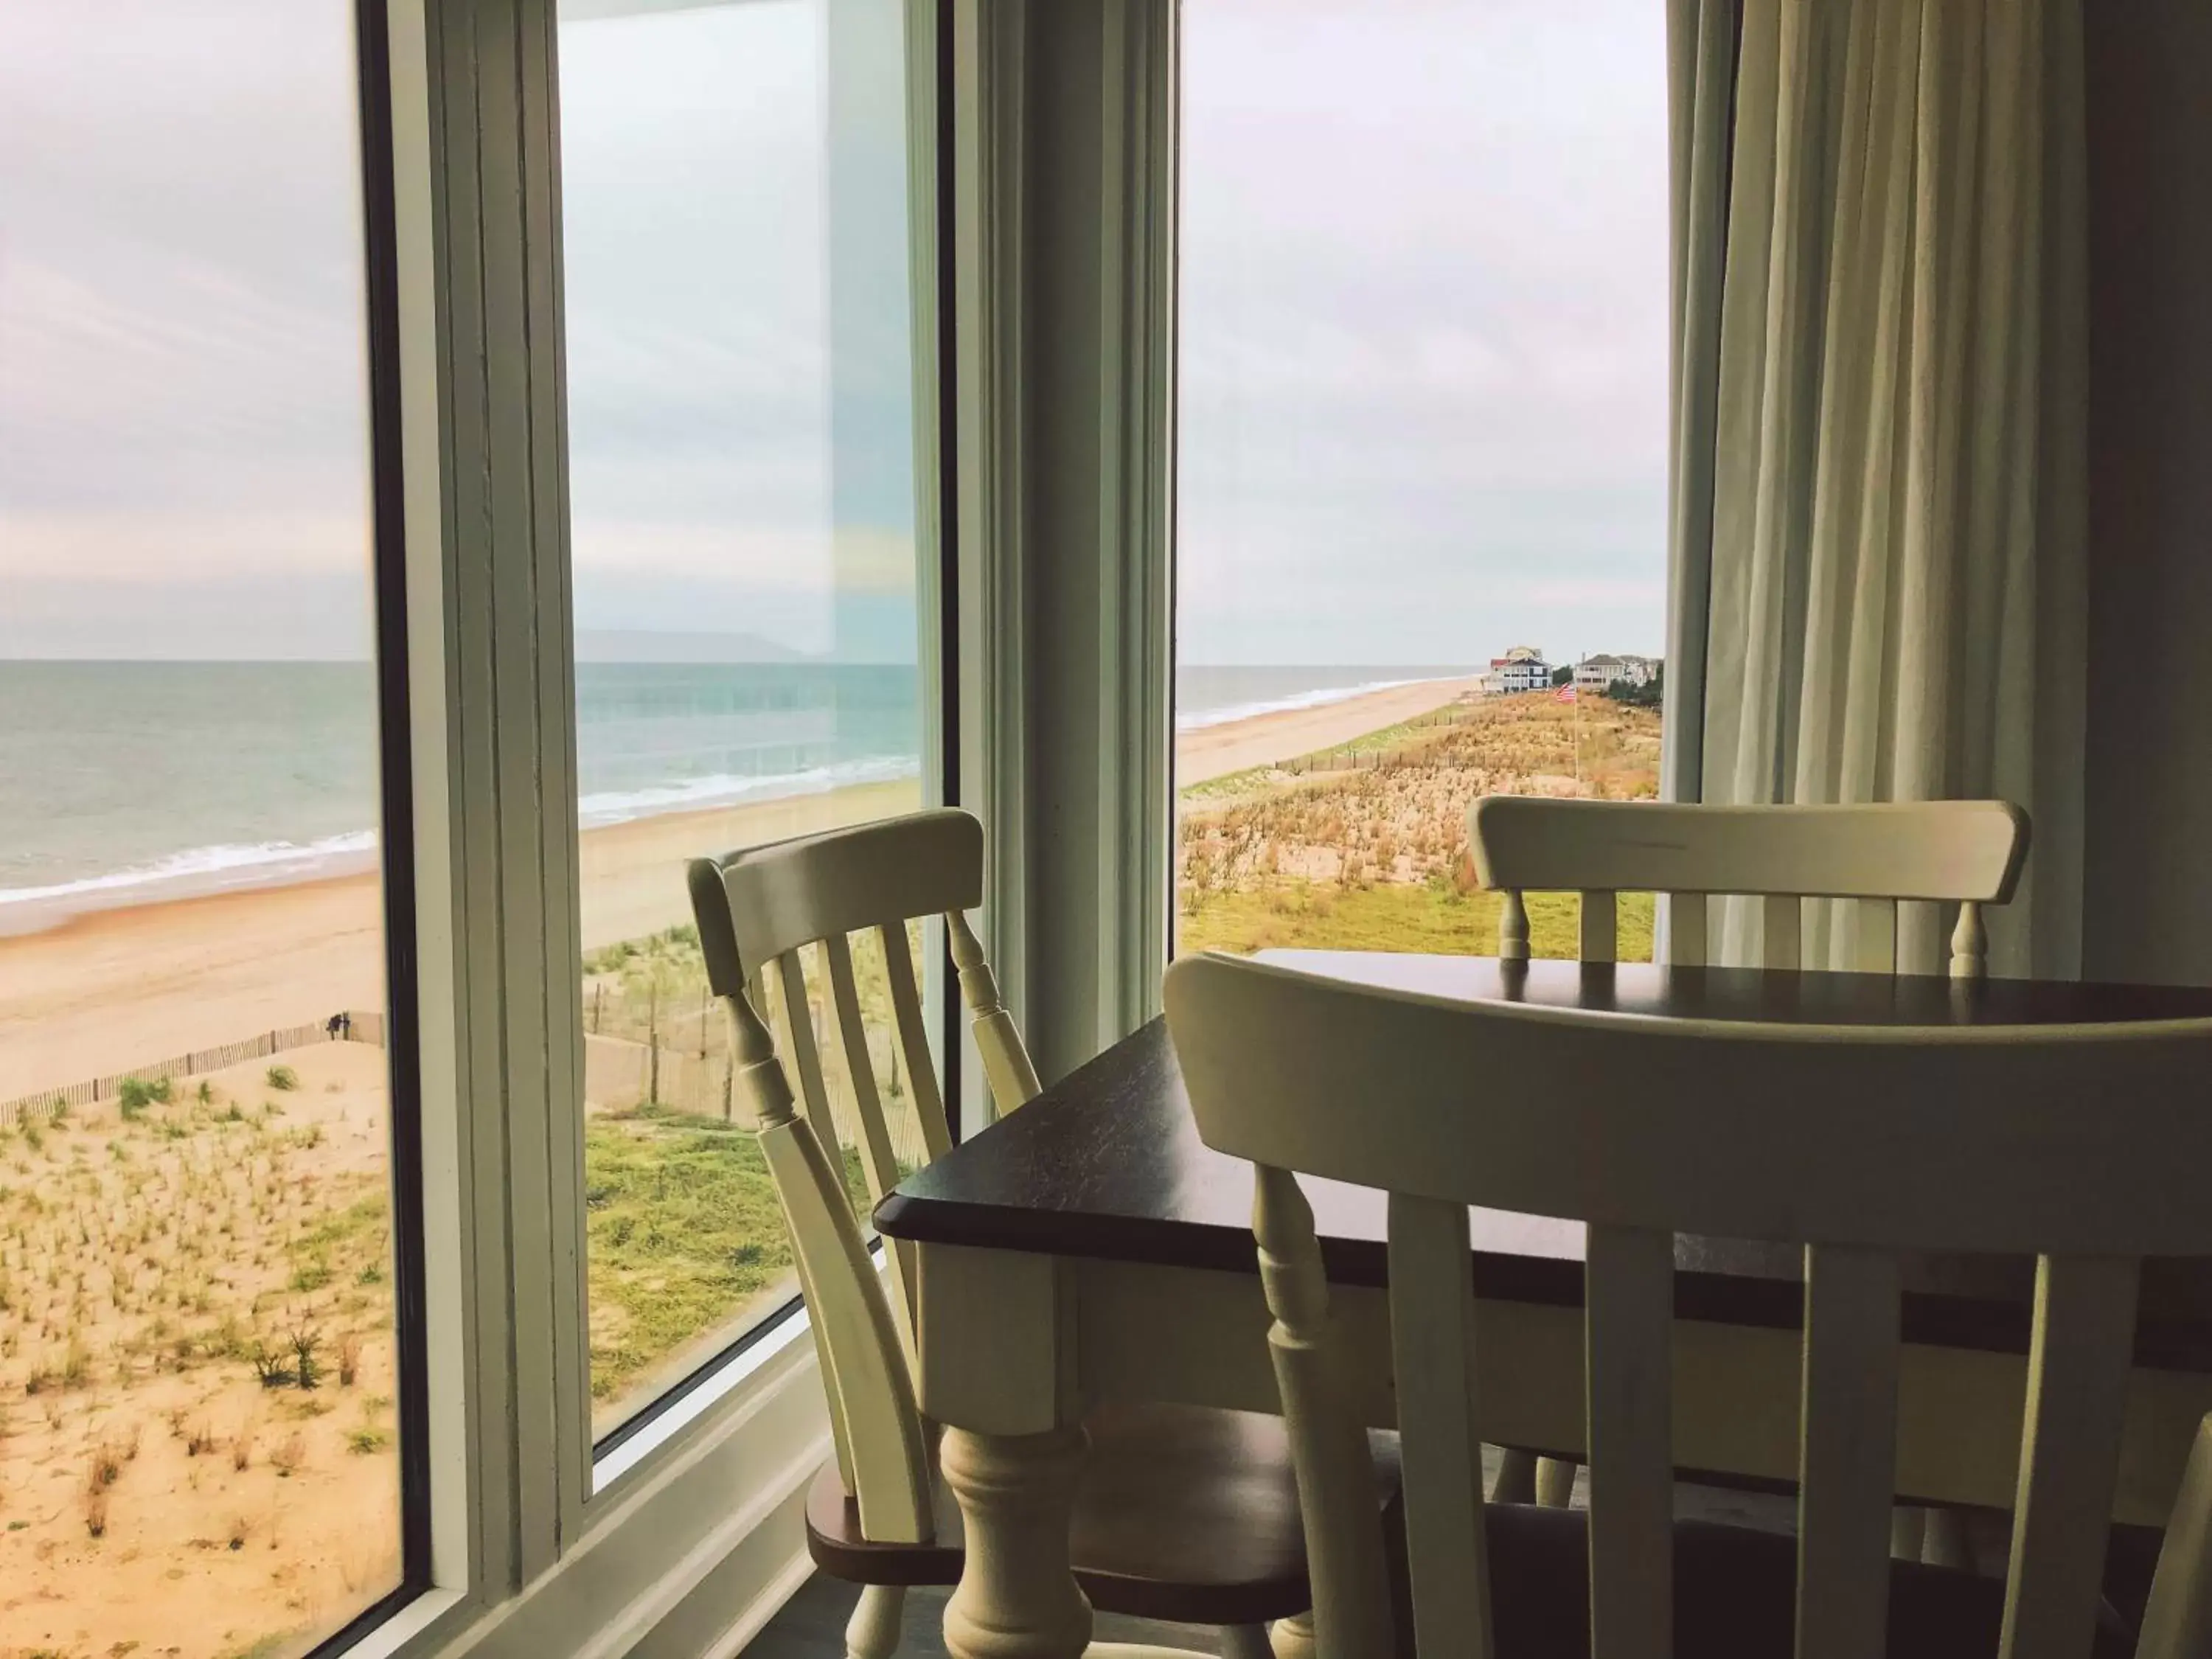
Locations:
(1879, 515)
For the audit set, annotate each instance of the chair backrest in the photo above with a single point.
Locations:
(758, 910)
(2072, 1144)
(1967, 852)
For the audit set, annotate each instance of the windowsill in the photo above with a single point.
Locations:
(669, 1424)
(405, 1628)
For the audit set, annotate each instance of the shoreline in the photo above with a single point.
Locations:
(106, 989)
(1205, 752)
(109, 990)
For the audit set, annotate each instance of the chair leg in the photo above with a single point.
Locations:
(874, 1629)
(1291, 1638)
(1555, 1482)
(1245, 1642)
(1516, 1478)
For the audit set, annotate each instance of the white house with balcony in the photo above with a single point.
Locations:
(1522, 668)
(1596, 673)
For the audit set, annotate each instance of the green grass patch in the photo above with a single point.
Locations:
(682, 1227)
(1431, 918)
(1230, 784)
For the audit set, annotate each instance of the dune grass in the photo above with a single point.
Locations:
(1431, 918)
(682, 1230)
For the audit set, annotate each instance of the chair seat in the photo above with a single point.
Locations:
(1185, 1513)
(1735, 1595)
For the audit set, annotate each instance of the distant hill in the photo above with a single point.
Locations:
(646, 645)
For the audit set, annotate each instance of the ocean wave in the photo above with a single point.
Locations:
(201, 870)
(1200, 719)
(620, 806)
(207, 867)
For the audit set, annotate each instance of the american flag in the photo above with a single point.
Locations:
(1566, 693)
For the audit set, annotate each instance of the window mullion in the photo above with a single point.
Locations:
(1064, 139)
(510, 927)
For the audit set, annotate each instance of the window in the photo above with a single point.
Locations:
(1422, 436)
(208, 1426)
(747, 625)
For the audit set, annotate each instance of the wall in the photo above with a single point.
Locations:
(2148, 878)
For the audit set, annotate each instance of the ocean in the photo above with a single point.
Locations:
(1214, 696)
(124, 782)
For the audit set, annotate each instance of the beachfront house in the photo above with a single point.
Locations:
(1522, 668)
(1596, 673)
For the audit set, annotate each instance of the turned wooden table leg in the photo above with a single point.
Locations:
(1293, 1638)
(1016, 1598)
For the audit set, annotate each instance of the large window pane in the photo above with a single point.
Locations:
(200, 1438)
(741, 478)
(1422, 430)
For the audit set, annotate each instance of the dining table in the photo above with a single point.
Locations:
(1088, 1250)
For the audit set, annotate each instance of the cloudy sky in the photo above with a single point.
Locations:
(1423, 329)
(1423, 335)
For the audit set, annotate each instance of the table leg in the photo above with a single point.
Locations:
(1016, 1599)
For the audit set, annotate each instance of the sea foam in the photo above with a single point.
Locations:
(206, 869)
(1200, 719)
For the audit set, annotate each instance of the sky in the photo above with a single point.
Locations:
(1423, 332)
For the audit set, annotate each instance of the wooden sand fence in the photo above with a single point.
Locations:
(619, 1077)
(1350, 757)
(352, 1025)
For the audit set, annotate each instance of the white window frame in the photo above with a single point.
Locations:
(1062, 587)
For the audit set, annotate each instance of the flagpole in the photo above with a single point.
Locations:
(1577, 691)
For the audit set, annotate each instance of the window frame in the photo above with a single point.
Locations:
(717, 1385)
(599, 1473)
(699, 1531)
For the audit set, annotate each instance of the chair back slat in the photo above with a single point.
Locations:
(1329, 1448)
(1686, 930)
(1870, 927)
(1600, 926)
(1432, 1354)
(1628, 1300)
(1781, 916)
(2077, 1382)
(912, 1037)
(798, 1007)
(1847, 1451)
(878, 1161)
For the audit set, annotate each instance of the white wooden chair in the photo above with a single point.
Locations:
(1961, 853)
(1151, 1538)
(1888, 857)
(2085, 1146)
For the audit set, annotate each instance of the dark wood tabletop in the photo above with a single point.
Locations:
(1107, 1164)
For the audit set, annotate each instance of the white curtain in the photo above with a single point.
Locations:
(1879, 510)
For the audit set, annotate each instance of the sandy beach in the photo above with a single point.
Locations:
(112, 990)
(118, 988)
(1214, 752)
